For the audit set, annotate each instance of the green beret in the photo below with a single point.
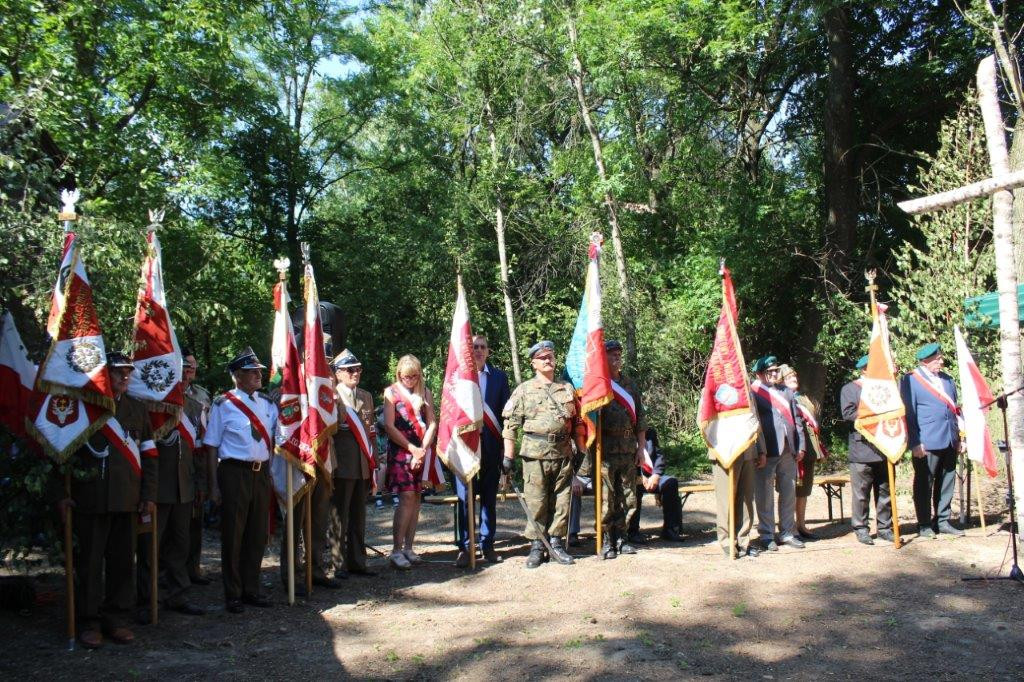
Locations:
(927, 350)
(765, 363)
(863, 362)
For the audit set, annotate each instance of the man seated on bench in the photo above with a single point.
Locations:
(652, 479)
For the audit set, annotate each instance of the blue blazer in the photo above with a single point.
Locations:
(929, 421)
(496, 395)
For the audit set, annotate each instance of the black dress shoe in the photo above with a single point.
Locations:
(864, 537)
(753, 552)
(188, 609)
(886, 535)
(258, 600)
(574, 540)
(769, 546)
(491, 556)
(199, 580)
(329, 583)
(807, 535)
(950, 529)
(234, 606)
(363, 572)
(926, 532)
(793, 541)
(672, 535)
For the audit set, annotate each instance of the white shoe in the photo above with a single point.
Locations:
(412, 556)
(399, 561)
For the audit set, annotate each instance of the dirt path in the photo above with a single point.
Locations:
(837, 609)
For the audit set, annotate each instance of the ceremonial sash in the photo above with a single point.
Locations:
(126, 446)
(187, 430)
(940, 394)
(777, 401)
(355, 425)
(623, 397)
(431, 465)
(815, 428)
(254, 421)
(491, 421)
(647, 465)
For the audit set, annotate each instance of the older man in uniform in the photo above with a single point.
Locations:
(545, 409)
(117, 479)
(868, 470)
(623, 437)
(355, 450)
(174, 502)
(933, 436)
(495, 392)
(205, 467)
(241, 432)
(783, 430)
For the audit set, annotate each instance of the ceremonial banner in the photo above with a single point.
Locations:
(322, 416)
(156, 355)
(17, 374)
(286, 373)
(458, 435)
(974, 392)
(881, 415)
(586, 363)
(725, 414)
(61, 424)
(57, 298)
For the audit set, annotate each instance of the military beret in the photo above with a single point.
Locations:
(765, 363)
(245, 360)
(539, 346)
(116, 358)
(612, 345)
(863, 362)
(927, 350)
(345, 359)
(786, 370)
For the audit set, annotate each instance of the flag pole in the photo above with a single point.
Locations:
(598, 496)
(289, 532)
(981, 502)
(307, 537)
(69, 564)
(471, 514)
(732, 511)
(154, 569)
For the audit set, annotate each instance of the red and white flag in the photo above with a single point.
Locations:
(17, 374)
(156, 380)
(57, 298)
(321, 401)
(726, 415)
(286, 372)
(462, 413)
(881, 416)
(974, 394)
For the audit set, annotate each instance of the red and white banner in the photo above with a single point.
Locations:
(156, 354)
(57, 298)
(458, 434)
(881, 416)
(321, 402)
(725, 413)
(286, 370)
(17, 374)
(974, 393)
(61, 424)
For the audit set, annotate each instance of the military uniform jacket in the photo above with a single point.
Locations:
(930, 422)
(111, 483)
(177, 463)
(230, 431)
(861, 451)
(618, 433)
(202, 397)
(350, 462)
(547, 414)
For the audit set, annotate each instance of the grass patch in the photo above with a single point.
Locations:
(740, 610)
(391, 656)
(676, 602)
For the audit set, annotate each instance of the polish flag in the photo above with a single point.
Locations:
(156, 380)
(17, 374)
(881, 416)
(57, 298)
(286, 371)
(974, 393)
(462, 412)
(586, 363)
(725, 413)
(321, 401)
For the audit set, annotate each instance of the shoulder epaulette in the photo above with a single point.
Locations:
(219, 399)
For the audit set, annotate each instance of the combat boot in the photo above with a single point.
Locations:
(608, 544)
(559, 554)
(536, 557)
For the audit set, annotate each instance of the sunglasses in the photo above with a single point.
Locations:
(544, 358)
(479, 346)
(352, 370)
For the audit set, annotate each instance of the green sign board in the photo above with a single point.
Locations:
(982, 312)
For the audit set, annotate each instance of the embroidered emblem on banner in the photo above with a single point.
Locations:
(290, 412)
(62, 410)
(84, 356)
(158, 375)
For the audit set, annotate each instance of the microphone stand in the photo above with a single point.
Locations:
(1015, 573)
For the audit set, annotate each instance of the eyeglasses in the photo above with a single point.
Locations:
(352, 370)
(410, 376)
(479, 346)
(544, 358)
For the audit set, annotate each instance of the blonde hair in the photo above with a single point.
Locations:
(406, 363)
(785, 371)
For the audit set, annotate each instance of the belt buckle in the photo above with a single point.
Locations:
(552, 437)
(256, 466)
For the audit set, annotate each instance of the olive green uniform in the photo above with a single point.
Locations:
(547, 414)
(351, 483)
(107, 489)
(618, 459)
(201, 482)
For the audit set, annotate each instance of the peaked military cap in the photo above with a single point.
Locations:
(245, 360)
(612, 345)
(927, 350)
(345, 359)
(116, 358)
(863, 362)
(539, 346)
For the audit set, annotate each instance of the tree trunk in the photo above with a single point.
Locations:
(499, 230)
(576, 76)
(1006, 274)
(954, 197)
(1017, 165)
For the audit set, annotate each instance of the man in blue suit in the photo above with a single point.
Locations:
(495, 390)
(933, 436)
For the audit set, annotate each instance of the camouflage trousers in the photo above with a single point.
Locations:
(618, 490)
(546, 490)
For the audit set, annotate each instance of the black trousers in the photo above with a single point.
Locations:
(934, 481)
(867, 478)
(195, 541)
(671, 507)
(104, 568)
(245, 505)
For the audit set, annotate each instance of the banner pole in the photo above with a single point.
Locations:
(307, 538)
(471, 520)
(732, 511)
(154, 569)
(289, 532)
(981, 504)
(598, 483)
(69, 565)
(892, 503)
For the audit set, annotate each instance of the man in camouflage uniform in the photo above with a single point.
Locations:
(546, 411)
(623, 433)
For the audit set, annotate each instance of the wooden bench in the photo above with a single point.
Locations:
(687, 489)
(452, 499)
(833, 486)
